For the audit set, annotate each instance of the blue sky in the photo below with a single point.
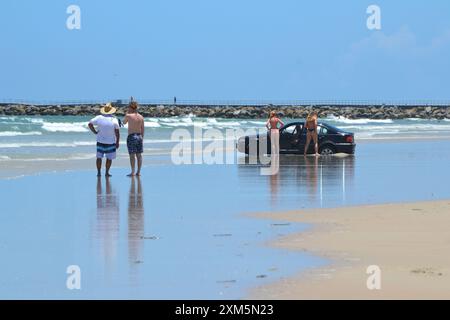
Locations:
(224, 49)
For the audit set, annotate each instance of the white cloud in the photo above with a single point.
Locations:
(402, 42)
(441, 40)
(398, 64)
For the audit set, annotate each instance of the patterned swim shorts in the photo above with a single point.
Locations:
(135, 143)
(108, 150)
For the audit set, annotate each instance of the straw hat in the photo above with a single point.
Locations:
(108, 109)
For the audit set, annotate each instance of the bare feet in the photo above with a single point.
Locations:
(138, 174)
(130, 175)
(317, 155)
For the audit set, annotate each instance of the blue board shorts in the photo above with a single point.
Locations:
(106, 150)
(135, 143)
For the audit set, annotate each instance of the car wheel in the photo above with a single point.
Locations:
(327, 151)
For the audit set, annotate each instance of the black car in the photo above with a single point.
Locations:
(293, 139)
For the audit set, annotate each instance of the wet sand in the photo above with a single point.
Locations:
(13, 169)
(175, 233)
(180, 233)
(409, 242)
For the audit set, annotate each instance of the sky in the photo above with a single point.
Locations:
(224, 50)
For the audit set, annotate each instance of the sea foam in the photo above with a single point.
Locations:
(341, 119)
(17, 133)
(65, 127)
(46, 144)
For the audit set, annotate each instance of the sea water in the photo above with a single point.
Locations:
(68, 137)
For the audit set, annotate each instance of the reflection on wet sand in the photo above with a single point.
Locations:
(312, 177)
(303, 179)
(274, 178)
(108, 224)
(135, 222)
(108, 219)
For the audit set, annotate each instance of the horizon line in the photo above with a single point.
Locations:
(236, 102)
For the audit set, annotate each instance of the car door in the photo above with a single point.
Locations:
(323, 134)
(301, 139)
(298, 139)
(291, 138)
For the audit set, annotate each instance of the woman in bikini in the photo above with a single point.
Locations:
(311, 132)
(272, 125)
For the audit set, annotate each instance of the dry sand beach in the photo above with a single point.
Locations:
(410, 243)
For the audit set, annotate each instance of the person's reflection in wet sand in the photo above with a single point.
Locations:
(135, 222)
(108, 219)
(312, 177)
(274, 178)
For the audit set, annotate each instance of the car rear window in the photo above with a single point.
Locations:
(323, 130)
(330, 128)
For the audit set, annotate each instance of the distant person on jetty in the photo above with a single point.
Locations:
(311, 132)
(108, 136)
(135, 140)
(272, 125)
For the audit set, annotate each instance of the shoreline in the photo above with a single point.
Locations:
(375, 112)
(408, 241)
(19, 168)
(8, 172)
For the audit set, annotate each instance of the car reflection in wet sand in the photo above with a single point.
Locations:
(312, 181)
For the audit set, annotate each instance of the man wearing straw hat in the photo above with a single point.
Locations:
(108, 136)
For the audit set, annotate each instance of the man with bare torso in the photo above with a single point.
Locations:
(135, 140)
